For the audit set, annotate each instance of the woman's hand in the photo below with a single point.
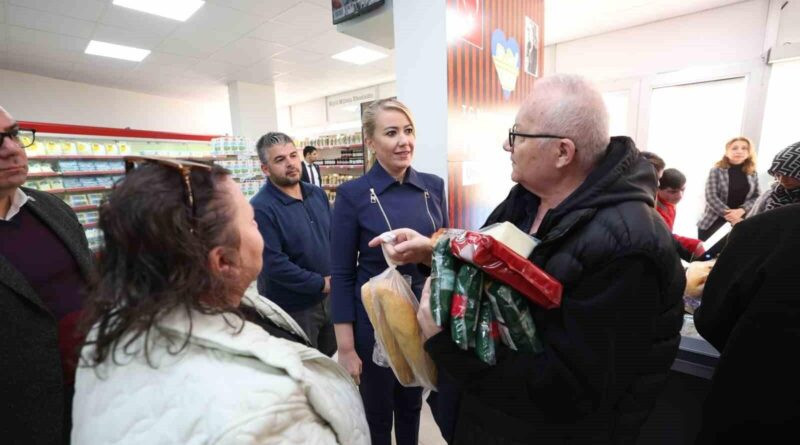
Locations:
(424, 315)
(734, 215)
(350, 361)
(409, 247)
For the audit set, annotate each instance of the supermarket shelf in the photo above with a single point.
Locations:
(78, 190)
(89, 225)
(120, 157)
(94, 173)
(70, 157)
(84, 208)
(330, 187)
(347, 166)
(342, 147)
(80, 173)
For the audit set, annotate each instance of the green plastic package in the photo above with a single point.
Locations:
(443, 280)
(488, 334)
(516, 326)
(465, 305)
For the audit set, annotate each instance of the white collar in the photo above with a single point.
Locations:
(17, 201)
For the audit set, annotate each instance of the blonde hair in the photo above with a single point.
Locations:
(749, 165)
(370, 117)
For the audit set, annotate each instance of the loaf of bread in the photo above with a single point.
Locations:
(696, 276)
(400, 366)
(401, 317)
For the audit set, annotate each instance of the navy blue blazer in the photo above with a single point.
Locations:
(418, 203)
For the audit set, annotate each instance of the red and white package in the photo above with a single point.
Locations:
(507, 266)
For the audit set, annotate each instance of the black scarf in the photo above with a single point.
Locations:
(786, 163)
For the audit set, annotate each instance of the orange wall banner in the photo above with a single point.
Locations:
(494, 54)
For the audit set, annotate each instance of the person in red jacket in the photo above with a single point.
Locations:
(670, 192)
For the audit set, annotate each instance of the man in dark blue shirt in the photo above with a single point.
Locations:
(295, 220)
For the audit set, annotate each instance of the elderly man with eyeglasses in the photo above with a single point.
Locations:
(45, 263)
(588, 199)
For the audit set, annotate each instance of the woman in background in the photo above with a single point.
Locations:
(731, 188)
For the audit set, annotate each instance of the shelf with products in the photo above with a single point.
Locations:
(81, 164)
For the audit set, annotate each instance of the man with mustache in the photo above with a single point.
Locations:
(295, 220)
(45, 264)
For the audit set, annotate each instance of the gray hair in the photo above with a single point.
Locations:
(569, 105)
(267, 141)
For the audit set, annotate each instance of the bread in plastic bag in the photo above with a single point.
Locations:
(397, 330)
(386, 352)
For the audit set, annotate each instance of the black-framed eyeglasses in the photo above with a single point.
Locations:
(512, 136)
(23, 136)
(182, 166)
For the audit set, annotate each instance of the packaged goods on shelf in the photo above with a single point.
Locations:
(77, 200)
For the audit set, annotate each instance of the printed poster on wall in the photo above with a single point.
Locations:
(486, 84)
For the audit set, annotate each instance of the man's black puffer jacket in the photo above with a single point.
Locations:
(609, 347)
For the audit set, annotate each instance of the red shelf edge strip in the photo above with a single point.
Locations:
(43, 127)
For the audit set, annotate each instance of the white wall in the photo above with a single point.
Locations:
(42, 99)
(731, 34)
(253, 111)
(422, 42)
(710, 45)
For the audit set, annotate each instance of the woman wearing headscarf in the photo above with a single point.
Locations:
(786, 188)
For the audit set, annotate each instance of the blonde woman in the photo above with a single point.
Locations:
(731, 188)
(391, 195)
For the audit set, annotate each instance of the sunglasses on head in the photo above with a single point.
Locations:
(182, 166)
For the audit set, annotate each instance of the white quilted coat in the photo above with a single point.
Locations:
(224, 388)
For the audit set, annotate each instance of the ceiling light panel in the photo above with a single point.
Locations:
(359, 55)
(106, 49)
(171, 9)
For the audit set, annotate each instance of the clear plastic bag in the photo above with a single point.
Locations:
(392, 308)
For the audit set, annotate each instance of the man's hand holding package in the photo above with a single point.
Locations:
(424, 316)
(409, 248)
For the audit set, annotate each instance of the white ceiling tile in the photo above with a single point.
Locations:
(282, 33)
(140, 38)
(190, 31)
(266, 8)
(253, 76)
(42, 67)
(90, 10)
(45, 21)
(212, 70)
(323, 3)
(215, 17)
(331, 42)
(247, 51)
(263, 70)
(127, 18)
(307, 16)
(170, 60)
(193, 42)
(18, 35)
(106, 64)
(294, 55)
(157, 72)
(43, 52)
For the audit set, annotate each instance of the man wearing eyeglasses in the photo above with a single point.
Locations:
(45, 262)
(608, 348)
